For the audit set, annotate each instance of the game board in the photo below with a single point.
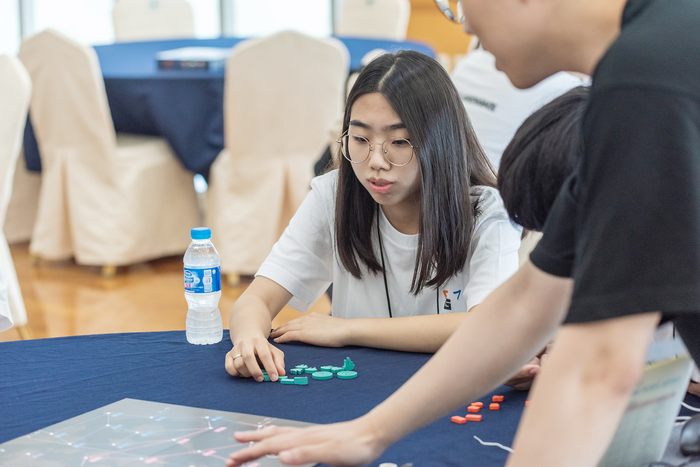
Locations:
(133, 432)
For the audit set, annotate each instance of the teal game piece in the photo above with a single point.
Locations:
(296, 371)
(322, 375)
(326, 368)
(310, 369)
(286, 380)
(347, 374)
(300, 366)
(336, 369)
(348, 365)
(301, 380)
(266, 377)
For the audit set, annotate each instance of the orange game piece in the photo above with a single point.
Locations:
(458, 419)
(497, 398)
(472, 418)
(473, 409)
(494, 406)
(477, 404)
(527, 403)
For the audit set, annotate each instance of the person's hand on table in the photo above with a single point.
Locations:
(314, 328)
(349, 443)
(248, 355)
(523, 379)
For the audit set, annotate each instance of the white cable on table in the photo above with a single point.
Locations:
(499, 445)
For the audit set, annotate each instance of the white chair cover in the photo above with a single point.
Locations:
(378, 19)
(14, 100)
(106, 199)
(138, 20)
(282, 94)
(24, 202)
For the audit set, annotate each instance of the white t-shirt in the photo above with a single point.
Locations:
(495, 107)
(5, 314)
(304, 261)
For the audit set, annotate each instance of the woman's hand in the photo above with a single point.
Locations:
(356, 442)
(523, 379)
(246, 357)
(315, 329)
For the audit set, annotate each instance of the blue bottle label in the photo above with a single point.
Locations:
(202, 280)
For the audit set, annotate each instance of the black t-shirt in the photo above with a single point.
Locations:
(626, 225)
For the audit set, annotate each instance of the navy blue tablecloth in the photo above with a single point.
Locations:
(46, 381)
(183, 106)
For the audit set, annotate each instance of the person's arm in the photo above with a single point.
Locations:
(581, 394)
(505, 331)
(249, 326)
(408, 334)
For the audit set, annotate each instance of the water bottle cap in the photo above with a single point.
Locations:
(200, 233)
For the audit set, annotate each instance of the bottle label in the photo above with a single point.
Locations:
(202, 280)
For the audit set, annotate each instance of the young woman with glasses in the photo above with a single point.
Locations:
(409, 228)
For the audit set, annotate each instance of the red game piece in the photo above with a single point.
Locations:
(472, 418)
(527, 403)
(494, 406)
(477, 404)
(458, 419)
(497, 398)
(473, 409)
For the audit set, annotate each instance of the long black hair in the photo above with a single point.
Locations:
(450, 159)
(541, 155)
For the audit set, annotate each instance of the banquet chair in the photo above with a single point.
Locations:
(24, 202)
(106, 199)
(14, 101)
(376, 19)
(282, 94)
(138, 20)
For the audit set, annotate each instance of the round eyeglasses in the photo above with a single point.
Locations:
(356, 149)
(452, 9)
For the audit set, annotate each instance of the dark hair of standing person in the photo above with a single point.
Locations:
(450, 159)
(539, 158)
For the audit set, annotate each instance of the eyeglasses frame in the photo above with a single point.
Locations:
(371, 145)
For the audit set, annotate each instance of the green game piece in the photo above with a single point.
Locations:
(301, 366)
(301, 380)
(310, 369)
(336, 369)
(322, 375)
(348, 365)
(266, 378)
(296, 371)
(347, 374)
(326, 368)
(287, 381)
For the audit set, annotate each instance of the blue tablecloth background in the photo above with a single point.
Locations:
(47, 381)
(183, 106)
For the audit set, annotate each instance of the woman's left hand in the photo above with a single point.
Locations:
(315, 329)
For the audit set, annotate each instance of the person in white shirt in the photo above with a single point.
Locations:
(5, 314)
(496, 108)
(410, 228)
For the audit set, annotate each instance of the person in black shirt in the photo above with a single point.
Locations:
(620, 252)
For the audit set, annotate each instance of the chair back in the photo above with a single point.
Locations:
(138, 20)
(69, 108)
(378, 19)
(15, 92)
(282, 94)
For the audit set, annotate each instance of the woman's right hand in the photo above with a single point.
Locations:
(248, 355)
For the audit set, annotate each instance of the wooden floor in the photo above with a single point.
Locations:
(64, 299)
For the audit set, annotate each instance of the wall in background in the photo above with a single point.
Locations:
(9, 27)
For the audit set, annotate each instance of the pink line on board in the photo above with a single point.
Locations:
(151, 460)
(95, 459)
(208, 453)
(254, 464)
(183, 441)
(220, 429)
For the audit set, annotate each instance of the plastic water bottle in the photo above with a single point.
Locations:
(203, 289)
